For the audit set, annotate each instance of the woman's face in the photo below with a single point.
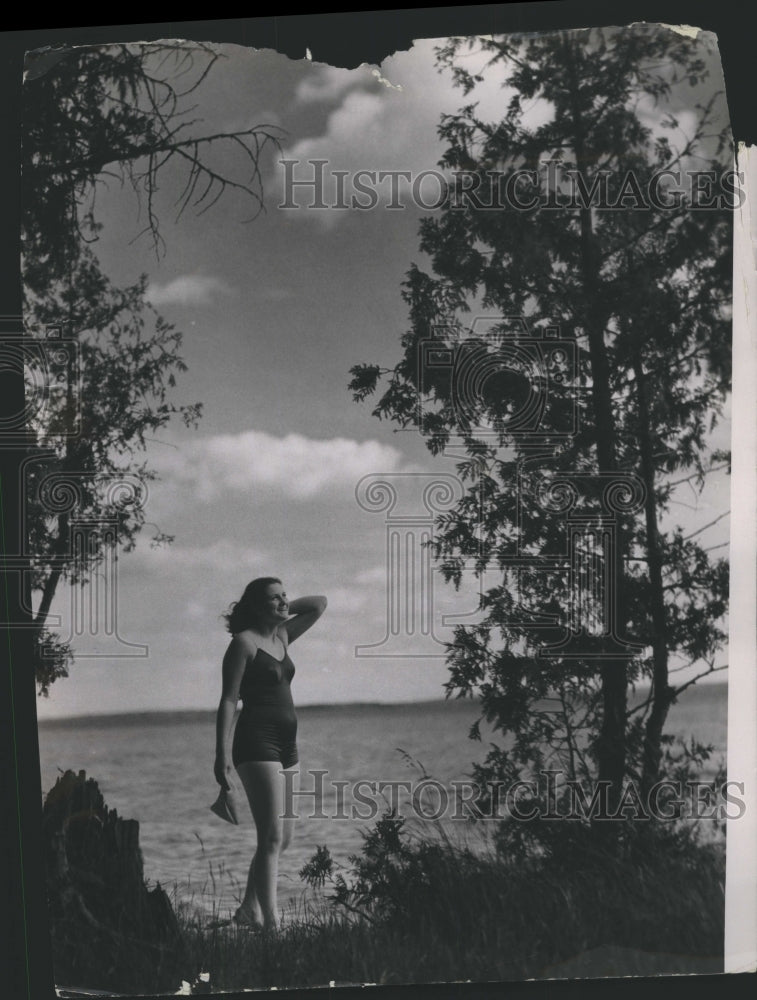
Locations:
(275, 603)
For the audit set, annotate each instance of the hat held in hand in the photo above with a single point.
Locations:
(226, 806)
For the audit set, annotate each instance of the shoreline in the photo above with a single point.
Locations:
(176, 716)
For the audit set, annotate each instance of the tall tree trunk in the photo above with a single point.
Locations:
(611, 744)
(51, 583)
(26, 929)
(661, 692)
(62, 542)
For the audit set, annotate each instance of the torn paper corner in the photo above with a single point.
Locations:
(687, 30)
(383, 79)
(374, 69)
(38, 61)
(682, 29)
(746, 167)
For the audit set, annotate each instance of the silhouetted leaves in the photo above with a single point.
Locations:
(655, 283)
(94, 116)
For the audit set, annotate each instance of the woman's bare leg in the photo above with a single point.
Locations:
(291, 778)
(264, 784)
(249, 910)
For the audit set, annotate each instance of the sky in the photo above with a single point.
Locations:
(274, 312)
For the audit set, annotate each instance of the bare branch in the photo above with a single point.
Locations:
(705, 673)
(694, 475)
(706, 526)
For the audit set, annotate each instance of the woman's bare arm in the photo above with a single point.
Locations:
(305, 611)
(234, 663)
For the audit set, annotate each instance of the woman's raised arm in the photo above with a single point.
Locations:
(305, 611)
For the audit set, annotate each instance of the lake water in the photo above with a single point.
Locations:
(158, 769)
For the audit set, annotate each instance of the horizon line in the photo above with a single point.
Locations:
(330, 705)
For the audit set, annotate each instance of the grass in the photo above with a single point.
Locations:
(416, 907)
(440, 913)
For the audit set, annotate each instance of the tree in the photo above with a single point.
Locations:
(95, 116)
(573, 223)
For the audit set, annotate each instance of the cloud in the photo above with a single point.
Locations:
(361, 115)
(394, 129)
(349, 600)
(271, 293)
(390, 128)
(293, 466)
(328, 83)
(221, 556)
(375, 574)
(187, 290)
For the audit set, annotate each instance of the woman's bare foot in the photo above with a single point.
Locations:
(248, 918)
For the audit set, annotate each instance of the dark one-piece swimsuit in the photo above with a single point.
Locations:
(267, 725)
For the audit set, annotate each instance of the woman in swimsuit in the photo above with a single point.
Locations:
(257, 668)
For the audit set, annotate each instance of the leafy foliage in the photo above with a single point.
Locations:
(644, 294)
(570, 896)
(95, 116)
(387, 870)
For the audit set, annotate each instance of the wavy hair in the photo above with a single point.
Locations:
(246, 611)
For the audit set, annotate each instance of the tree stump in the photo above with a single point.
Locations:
(108, 929)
